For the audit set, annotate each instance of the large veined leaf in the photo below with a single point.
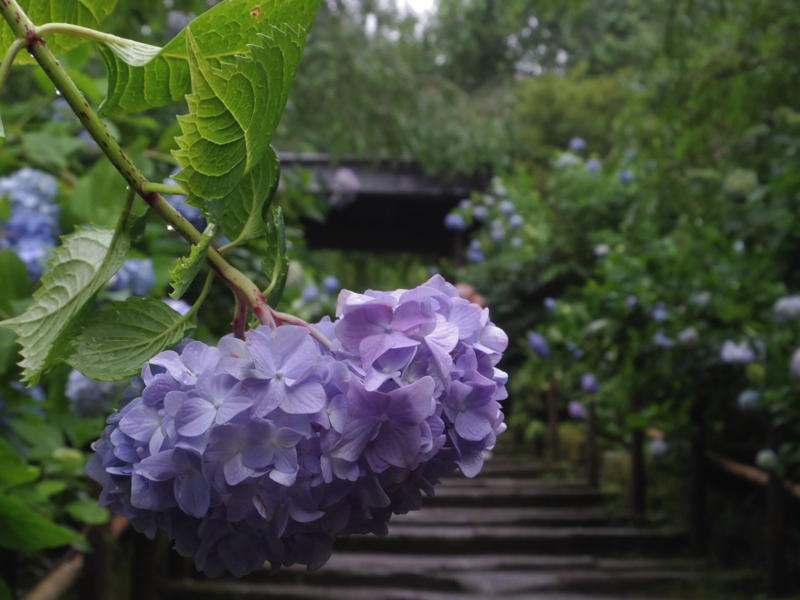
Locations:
(85, 261)
(242, 213)
(221, 33)
(121, 337)
(275, 263)
(234, 111)
(23, 529)
(186, 269)
(87, 13)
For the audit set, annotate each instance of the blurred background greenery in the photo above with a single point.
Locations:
(650, 149)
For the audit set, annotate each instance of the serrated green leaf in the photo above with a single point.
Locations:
(78, 269)
(14, 470)
(165, 78)
(121, 337)
(234, 111)
(16, 282)
(86, 13)
(186, 269)
(23, 529)
(275, 263)
(242, 213)
(87, 510)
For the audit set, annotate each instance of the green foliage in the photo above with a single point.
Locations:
(86, 13)
(115, 342)
(275, 262)
(242, 214)
(86, 510)
(234, 110)
(79, 268)
(185, 270)
(16, 283)
(166, 78)
(14, 470)
(22, 528)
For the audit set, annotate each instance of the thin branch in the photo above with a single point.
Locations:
(8, 60)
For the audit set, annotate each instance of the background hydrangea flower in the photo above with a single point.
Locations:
(787, 309)
(315, 445)
(538, 344)
(455, 222)
(735, 353)
(136, 276)
(91, 398)
(590, 384)
(748, 400)
(576, 410)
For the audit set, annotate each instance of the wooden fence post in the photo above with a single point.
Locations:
(776, 545)
(95, 583)
(638, 474)
(552, 420)
(697, 482)
(592, 457)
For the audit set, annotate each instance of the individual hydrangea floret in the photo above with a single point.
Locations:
(626, 176)
(593, 165)
(515, 222)
(455, 222)
(136, 276)
(480, 213)
(178, 306)
(577, 410)
(734, 353)
(590, 384)
(331, 285)
(787, 309)
(767, 460)
(549, 303)
(266, 449)
(748, 401)
(90, 398)
(507, 208)
(658, 448)
(577, 144)
(689, 336)
(538, 344)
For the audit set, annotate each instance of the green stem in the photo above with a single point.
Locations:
(163, 188)
(22, 27)
(87, 34)
(5, 67)
(201, 298)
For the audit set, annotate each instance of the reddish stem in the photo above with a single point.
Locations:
(287, 319)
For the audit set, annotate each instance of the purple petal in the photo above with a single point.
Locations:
(260, 345)
(232, 407)
(194, 417)
(355, 438)
(466, 316)
(398, 444)
(303, 398)
(414, 403)
(235, 472)
(287, 479)
(193, 494)
(172, 363)
(472, 426)
(160, 467)
(140, 423)
(363, 322)
(286, 460)
(161, 385)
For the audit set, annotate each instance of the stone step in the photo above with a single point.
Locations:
(521, 539)
(523, 495)
(482, 481)
(553, 517)
(520, 469)
(189, 589)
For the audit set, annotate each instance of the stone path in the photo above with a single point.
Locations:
(506, 534)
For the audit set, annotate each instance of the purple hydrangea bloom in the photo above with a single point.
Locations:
(516, 242)
(549, 303)
(331, 285)
(795, 365)
(465, 204)
(631, 301)
(267, 449)
(136, 276)
(735, 353)
(577, 144)
(626, 176)
(658, 448)
(577, 410)
(475, 255)
(515, 222)
(538, 344)
(787, 309)
(748, 400)
(481, 213)
(507, 208)
(594, 165)
(310, 293)
(659, 313)
(90, 398)
(661, 339)
(455, 222)
(590, 384)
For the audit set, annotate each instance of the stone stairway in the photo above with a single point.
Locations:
(508, 533)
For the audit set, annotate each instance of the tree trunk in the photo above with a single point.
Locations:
(554, 453)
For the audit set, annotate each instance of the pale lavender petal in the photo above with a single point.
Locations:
(414, 403)
(194, 417)
(193, 494)
(365, 321)
(232, 407)
(140, 423)
(303, 398)
(398, 444)
(472, 426)
(355, 438)
(235, 471)
(159, 467)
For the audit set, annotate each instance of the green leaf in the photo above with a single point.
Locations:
(185, 270)
(275, 264)
(23, 529)
(78, 269)
(121, 337)
(41, 492)
(165, 78)
(16, 282)
(242, 213)
(86, 13)
(42, 437)
(50, 150)
(13, 469)
(87, 510)
(99, 195)
(233, 112)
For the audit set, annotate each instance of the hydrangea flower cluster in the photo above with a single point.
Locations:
(266, 449)
(735, 353)
(33, 228)
(577, 410)
(787, 309)
(91, 398)
(136, 276)
(538, 343)
(748, 401)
